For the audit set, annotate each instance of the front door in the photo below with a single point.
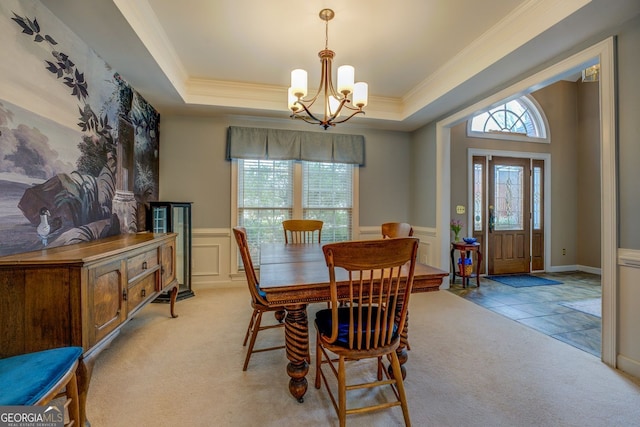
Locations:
(509, 215)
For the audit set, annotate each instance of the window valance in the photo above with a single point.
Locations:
(279, 144)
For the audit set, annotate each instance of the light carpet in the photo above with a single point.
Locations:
(467, 367)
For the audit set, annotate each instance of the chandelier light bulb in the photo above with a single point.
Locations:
(360, 94)
(299, 83)
(345, 79)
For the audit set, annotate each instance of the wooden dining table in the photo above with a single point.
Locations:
(295, 275)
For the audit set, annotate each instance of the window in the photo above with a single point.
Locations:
(508, 196)
(265, 198)
(537, 197)
(478, 192)
(519, 119)
(328, 196)
(270, 191)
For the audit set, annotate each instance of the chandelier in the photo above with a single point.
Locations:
(349, 98)
(591, 74)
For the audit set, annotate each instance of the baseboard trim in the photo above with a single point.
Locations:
(631, 367)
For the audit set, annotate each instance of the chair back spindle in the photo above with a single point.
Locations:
(302, 231)
(378, 291)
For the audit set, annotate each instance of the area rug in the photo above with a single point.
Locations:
(523, 280)
(592, 306)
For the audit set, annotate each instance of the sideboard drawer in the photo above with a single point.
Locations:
(140, 263)
(140, 291)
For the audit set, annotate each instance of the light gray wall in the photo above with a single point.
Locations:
(629, 135)
(385, 189)
(194, 168)
(423, 176)
(559, 104)
(588, 240)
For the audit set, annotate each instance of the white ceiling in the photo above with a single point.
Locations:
(421, 58)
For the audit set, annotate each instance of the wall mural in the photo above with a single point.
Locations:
(78, 146)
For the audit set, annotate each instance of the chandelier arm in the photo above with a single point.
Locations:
(328, 79)
(344, 103)
(310, 118)
(334, 122)
(336, 113)
(327, 82)
(298, 115)
(348, 106)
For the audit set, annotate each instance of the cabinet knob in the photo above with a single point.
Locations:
(144, 265)
(144, 293)
(124, 295)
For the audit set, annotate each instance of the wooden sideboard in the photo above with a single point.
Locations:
(82, 294)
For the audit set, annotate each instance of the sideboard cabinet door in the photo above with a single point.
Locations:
(106, 290)
(168, 257)
(35, 310)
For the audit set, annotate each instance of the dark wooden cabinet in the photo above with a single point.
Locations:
(174, 217)
(82, 294)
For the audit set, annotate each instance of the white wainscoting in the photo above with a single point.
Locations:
(628, 296)
(211, 250)
(215, 256)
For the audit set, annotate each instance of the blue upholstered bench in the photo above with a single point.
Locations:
(37, 378)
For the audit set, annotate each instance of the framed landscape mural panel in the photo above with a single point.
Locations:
(79, 148)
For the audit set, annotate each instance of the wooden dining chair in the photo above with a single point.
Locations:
(258, 300)
(302, 230)
(40, 377)
(380, 277)
(396, 229)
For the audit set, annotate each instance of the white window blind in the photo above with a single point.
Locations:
(270, 191)
(265, 199)
(327, 195)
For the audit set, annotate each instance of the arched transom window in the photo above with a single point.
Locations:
(520, 119)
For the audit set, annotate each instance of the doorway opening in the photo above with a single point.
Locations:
(602, 53)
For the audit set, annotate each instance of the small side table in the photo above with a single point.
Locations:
(465, 250)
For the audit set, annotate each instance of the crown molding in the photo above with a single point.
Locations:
(144, 22)
(523, 24)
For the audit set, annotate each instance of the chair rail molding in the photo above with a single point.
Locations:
(629, 258)
(214, 254)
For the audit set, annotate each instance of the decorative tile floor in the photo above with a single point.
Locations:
(541, 307)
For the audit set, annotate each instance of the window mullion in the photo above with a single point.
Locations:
(297, 190)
